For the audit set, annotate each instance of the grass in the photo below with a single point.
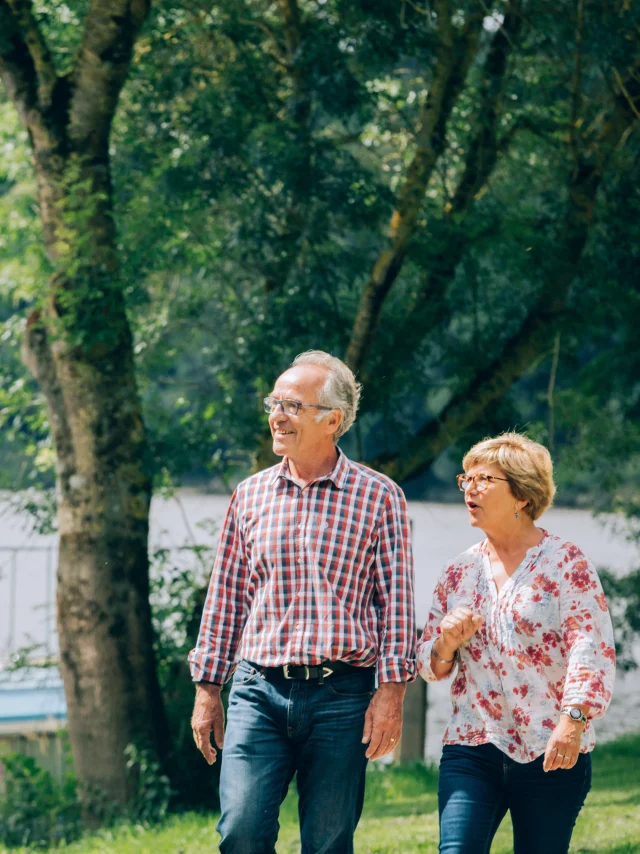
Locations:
(400, 816)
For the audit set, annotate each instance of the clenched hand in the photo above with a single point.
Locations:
(457, 627)
(207, 718)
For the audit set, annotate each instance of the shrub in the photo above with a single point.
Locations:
(36, 810)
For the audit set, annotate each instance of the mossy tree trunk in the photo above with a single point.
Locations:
(78, 345)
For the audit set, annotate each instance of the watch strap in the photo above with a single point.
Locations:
(570, 711)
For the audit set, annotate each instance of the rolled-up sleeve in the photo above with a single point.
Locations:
(225, 611)
(588, 638)
(394, 596)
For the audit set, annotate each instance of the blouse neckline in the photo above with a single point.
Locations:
(531, 556)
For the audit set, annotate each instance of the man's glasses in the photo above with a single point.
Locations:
(289, 407)
(481, 481)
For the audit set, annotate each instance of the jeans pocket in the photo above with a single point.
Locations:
(351, 684)
(245, 674)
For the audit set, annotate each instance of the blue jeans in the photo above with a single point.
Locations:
(277, 728)
(479, 784)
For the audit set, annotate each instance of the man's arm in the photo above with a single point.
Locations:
(212, 659)
(224, 615)
(396, 627)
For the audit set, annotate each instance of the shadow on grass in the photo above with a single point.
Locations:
(630, 848)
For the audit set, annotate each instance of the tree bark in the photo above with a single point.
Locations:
(78, 345)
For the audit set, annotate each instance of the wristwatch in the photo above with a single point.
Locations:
(574, 713)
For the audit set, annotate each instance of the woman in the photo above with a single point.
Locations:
(522, 621)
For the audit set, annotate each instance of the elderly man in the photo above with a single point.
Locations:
(312, 590)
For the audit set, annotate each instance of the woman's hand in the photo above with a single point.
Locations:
(563, 748)
(455, 629)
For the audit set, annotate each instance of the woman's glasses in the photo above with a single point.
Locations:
(481, 481)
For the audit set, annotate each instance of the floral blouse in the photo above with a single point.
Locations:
(546, 641)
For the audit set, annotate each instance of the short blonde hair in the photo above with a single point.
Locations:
(526, 464)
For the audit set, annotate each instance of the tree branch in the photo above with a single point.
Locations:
(454, 56)
(101, 68)
(38, 49)
(483, 151)
(428, 308)
(294, 220)
(490, 384)
(17, 67)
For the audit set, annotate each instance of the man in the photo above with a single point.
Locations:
(312, 589)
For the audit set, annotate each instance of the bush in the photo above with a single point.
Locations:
(36, 810)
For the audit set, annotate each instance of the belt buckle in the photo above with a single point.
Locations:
(286, 671)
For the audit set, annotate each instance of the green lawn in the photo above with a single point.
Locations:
(401, 816)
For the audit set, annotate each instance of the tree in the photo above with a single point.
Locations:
(78, 346)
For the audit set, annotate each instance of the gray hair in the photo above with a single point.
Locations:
(340, 391)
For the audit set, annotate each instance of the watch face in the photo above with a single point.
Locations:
(576, 714)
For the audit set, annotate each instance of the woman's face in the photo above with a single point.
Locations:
(495, 506)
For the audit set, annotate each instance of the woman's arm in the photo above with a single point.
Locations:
(588, 637)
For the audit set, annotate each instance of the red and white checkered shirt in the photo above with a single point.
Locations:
(302, 576)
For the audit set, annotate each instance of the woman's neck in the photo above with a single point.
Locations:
(514, 539)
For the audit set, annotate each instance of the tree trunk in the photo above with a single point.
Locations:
(78, 345)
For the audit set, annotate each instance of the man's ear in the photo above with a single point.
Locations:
(333, 421)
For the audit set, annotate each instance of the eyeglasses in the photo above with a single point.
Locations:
(290, 407)
(481, 481)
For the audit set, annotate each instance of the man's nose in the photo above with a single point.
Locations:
(278, 416)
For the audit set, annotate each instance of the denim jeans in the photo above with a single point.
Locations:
(277, 728)
(479, 784)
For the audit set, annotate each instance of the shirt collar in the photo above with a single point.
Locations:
(338, 475)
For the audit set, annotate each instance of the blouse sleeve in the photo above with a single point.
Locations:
(588, 636)
(431, 632)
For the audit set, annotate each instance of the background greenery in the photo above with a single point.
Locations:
(251, 207)
(401, 815)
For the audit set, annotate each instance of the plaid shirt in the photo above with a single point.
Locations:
(307, 575)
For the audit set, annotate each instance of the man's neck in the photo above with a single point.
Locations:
(305, 472)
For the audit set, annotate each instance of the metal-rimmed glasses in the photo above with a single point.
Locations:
(289, 407)
(481, 481)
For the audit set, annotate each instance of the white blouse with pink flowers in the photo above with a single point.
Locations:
(546, 641)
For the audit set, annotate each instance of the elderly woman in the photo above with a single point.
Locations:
(522, 621)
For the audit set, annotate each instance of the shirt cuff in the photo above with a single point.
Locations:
(424, 663)
(395, 670)
(206, 669)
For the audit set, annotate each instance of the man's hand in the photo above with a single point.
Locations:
(457, 627)
(563, 747)
(208, 717)
(383, 720)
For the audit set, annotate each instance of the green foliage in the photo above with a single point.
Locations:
(252, 202)
(153, 788)
(401, 815)
(179, 582)
(623, 596)
(36, 810)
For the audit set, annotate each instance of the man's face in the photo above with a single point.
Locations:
(300, 437)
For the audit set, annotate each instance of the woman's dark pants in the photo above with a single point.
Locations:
(479, 784)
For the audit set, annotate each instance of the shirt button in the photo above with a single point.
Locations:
(299, 560)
